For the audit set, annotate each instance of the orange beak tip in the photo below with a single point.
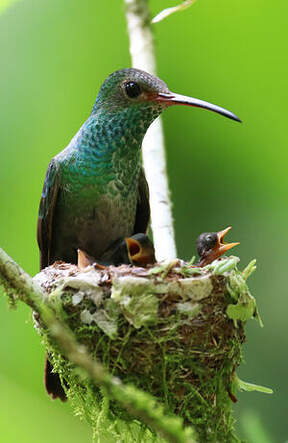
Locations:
(224, 248)
(221, 234)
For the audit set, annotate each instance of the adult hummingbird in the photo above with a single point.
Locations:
(95, 191)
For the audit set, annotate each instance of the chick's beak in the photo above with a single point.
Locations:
(84, 259)
(222, 247)
(139, 254)
(219, 249)
(170, 99)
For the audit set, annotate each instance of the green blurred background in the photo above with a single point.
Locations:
(54, 55)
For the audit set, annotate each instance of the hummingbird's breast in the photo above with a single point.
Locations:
(96, 204)
(110, 219)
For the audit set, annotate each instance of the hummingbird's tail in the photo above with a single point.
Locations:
(52, 382)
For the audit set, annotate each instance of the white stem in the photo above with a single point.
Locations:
(154, 160)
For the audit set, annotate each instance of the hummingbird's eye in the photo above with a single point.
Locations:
(132, 89)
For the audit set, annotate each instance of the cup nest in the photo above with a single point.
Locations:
(172, 330)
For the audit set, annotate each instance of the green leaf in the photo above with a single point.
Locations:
(157, 269)
(249, 387)
(190, 263)
(241, 311)
(246, 307)
(188, 269)
(250, 268)
(168, 11)
(225, 265)
(164, 269)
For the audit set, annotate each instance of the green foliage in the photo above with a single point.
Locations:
(250, 387)
(245, 306)
(139, 306)
(250, 268)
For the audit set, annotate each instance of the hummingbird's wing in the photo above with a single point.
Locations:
(44, 238)
(143, 207)
(46, 212)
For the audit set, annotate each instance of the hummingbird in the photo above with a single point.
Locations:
(95, 192)
(210, 245)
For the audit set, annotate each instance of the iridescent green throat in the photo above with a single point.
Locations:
(107, 147)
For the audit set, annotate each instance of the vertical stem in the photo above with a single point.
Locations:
(154, 160)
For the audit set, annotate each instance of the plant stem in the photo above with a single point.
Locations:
(154, 159)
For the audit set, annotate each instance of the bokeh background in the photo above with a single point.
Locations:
(53, 57)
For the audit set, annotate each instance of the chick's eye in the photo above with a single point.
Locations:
(132, 89)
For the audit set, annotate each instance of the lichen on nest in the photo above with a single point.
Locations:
(173, 330)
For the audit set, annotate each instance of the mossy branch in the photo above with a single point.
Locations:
(18, 285)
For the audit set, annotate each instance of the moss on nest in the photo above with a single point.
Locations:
(173, 330)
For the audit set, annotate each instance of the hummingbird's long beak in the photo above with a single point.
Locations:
(170, 99)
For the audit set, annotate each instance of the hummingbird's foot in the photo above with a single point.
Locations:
(210, 246)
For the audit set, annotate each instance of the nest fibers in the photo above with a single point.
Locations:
(173, 330)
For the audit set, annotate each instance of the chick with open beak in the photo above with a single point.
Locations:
(140, 250)
(137, 250)
(210, 245)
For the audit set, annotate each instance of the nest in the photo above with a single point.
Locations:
(172, 330)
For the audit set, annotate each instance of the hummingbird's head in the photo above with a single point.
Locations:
(130, 87)
(135, 88)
